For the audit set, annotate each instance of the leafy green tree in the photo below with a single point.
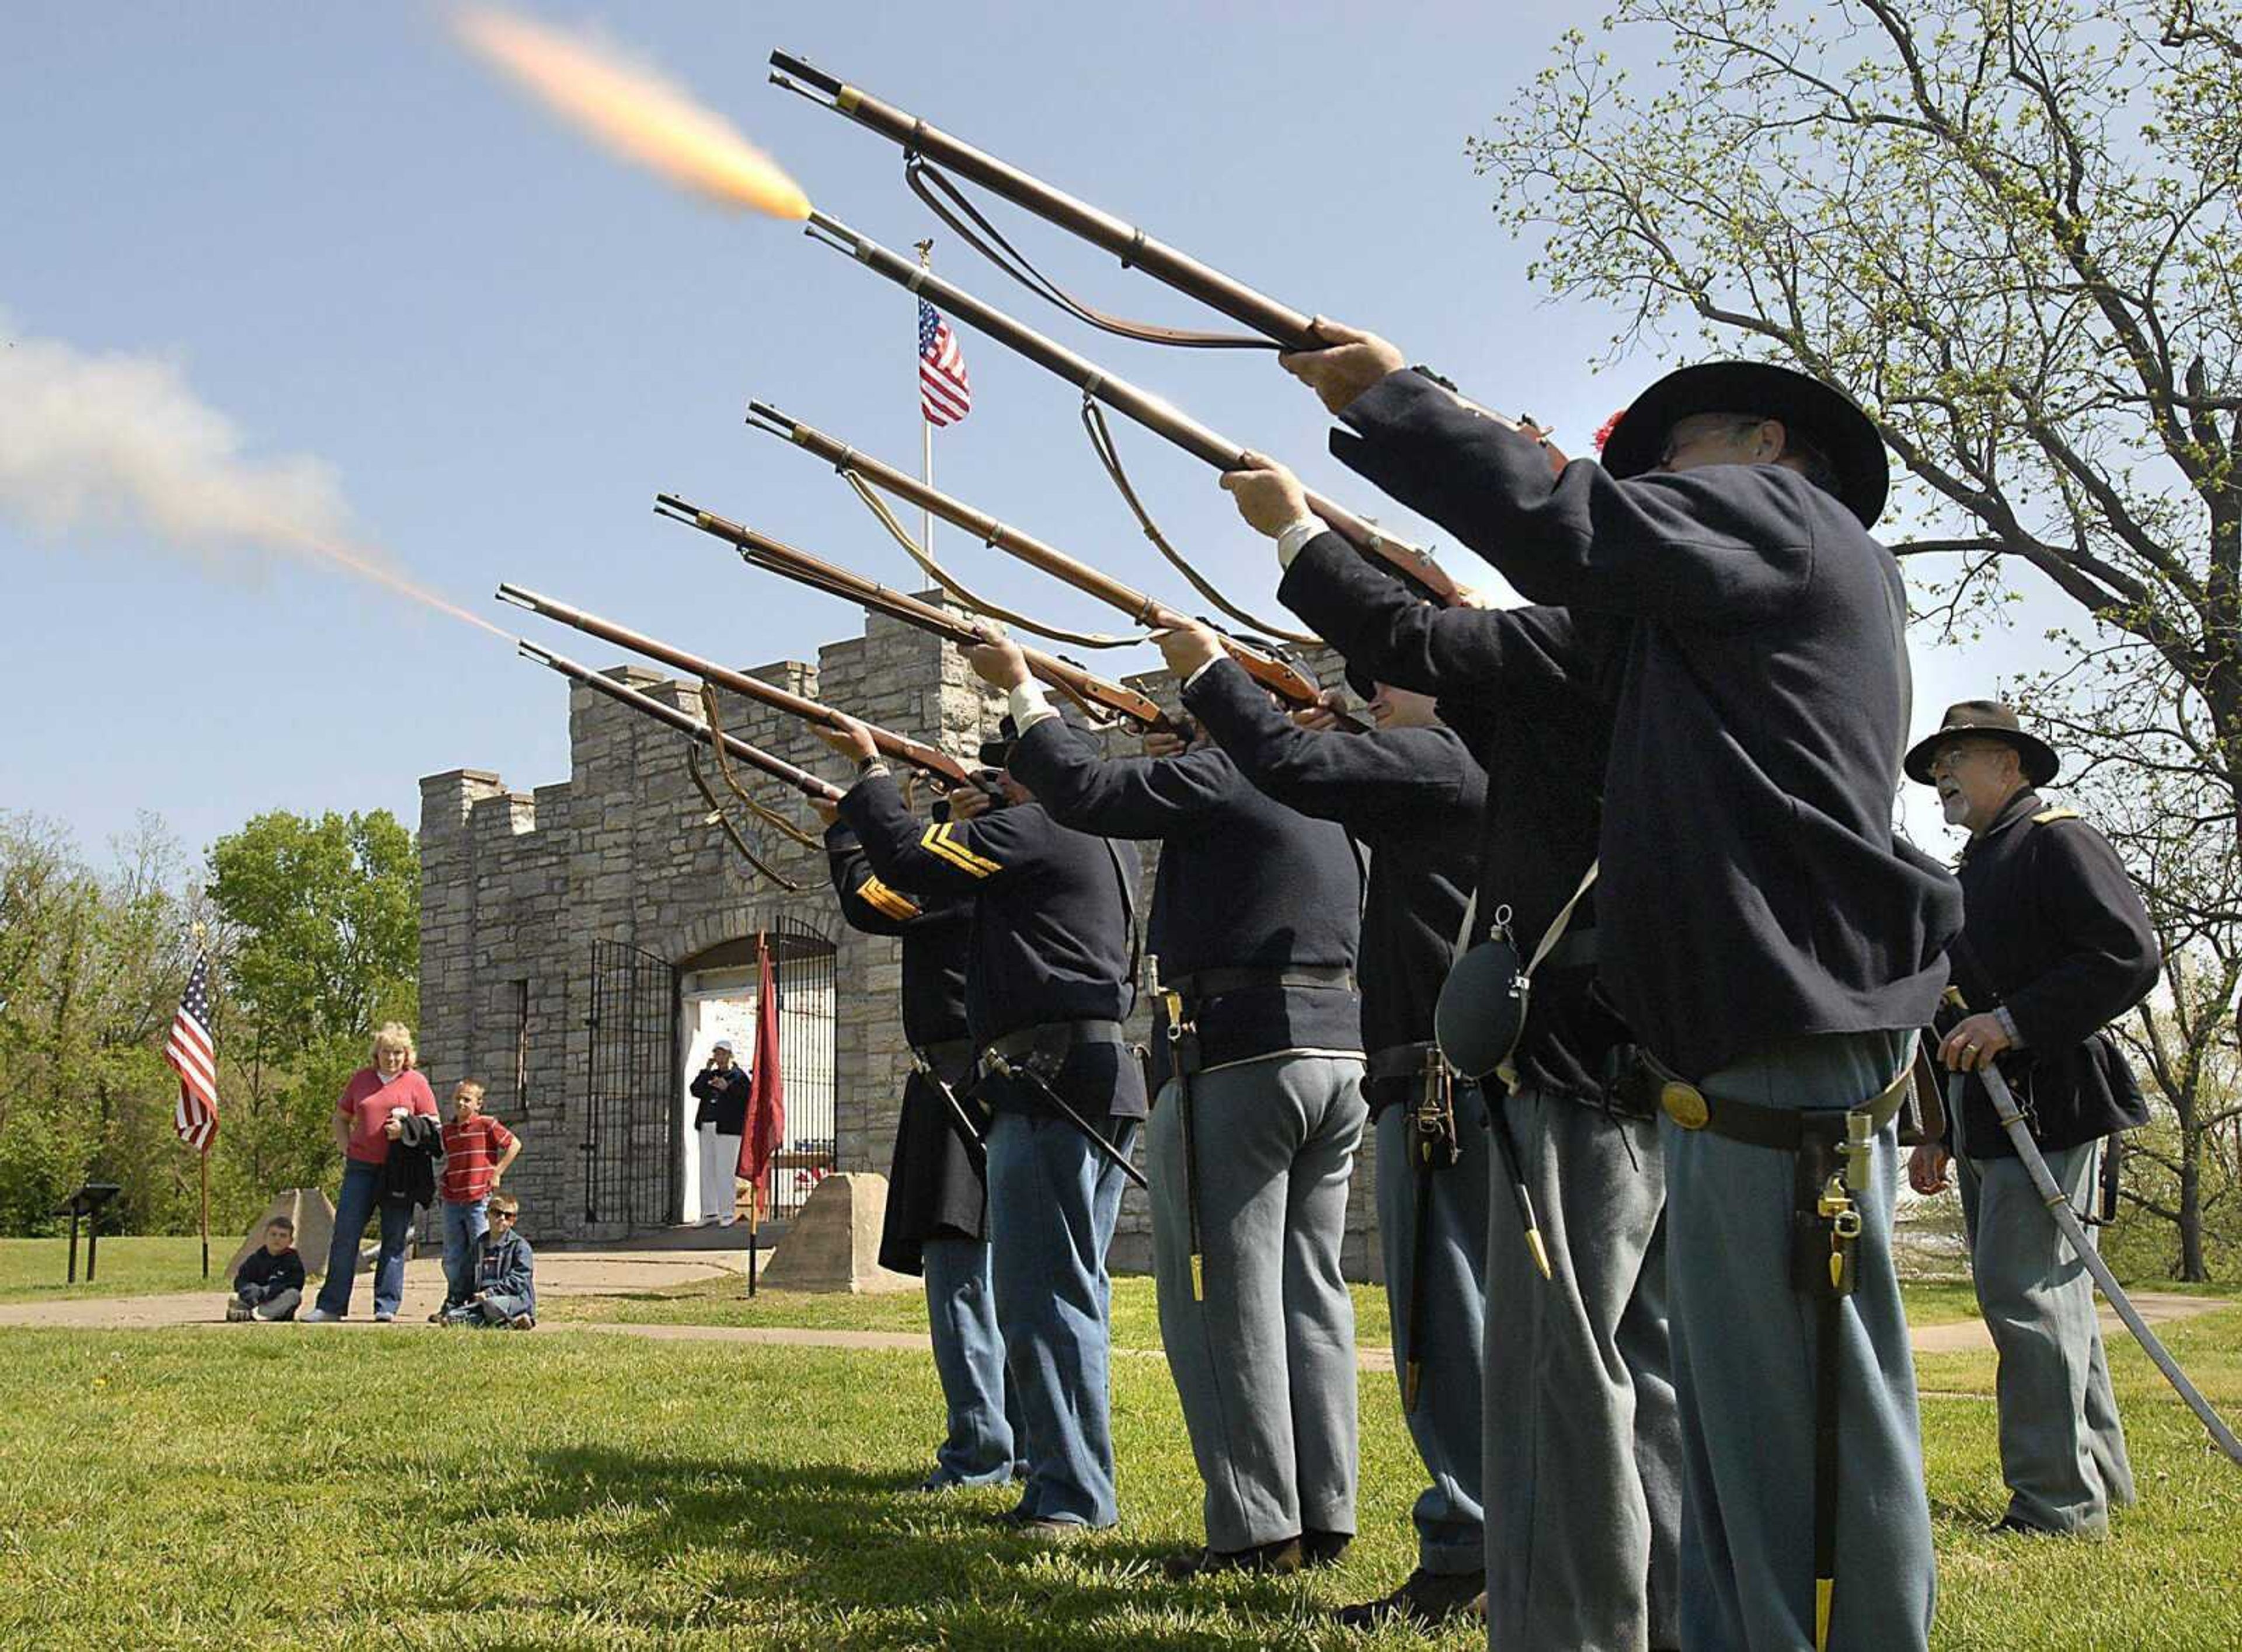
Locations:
(320, 925)
(2007, 228)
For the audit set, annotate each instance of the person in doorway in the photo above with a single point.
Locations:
(722, 1087)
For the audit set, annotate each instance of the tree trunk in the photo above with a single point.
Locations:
(2192, 1268)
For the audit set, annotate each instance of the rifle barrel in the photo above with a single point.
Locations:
(1289, 327)
(778, 557)
(777, 768)
(899, 747)
(1413, 563)
(1266, 669)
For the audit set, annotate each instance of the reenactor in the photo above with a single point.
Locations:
(2055, 944)
(936, 1220)
(1767, 938)
(1047, 986)
(1581, 1428)
(1258, 1053)
(1410, 794)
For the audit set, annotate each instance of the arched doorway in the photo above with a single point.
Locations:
(717, 999)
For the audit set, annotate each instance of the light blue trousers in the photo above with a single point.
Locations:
(1265, 1365)
(1449, 1347)
(969, 1357)
(2062, 1449)
(1053, 1201)
(1583, 1436)
(1744, 1366)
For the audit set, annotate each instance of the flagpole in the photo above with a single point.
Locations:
(201, 1160)
(925, 427)
(755, 1194)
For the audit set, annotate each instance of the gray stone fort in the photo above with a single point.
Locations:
(583, 944)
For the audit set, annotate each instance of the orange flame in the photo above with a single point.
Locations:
(634, 112)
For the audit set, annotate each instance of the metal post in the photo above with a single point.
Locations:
(72, 1277)
(925, 425)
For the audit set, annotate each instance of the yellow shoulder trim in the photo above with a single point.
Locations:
(936, 840)
(2047, 814)
(892, 902)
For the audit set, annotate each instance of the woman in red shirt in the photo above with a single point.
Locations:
(368, 1117)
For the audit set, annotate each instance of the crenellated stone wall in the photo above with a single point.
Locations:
(517, 886)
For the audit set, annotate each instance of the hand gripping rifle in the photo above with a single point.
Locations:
(925, 758)
(1101, 699)
(2066, 1220)
(1272, 672)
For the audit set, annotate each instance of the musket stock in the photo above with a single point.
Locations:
(777, 557)
(901, 747)
(1279, 676)
(777, 768)
(1414, 565)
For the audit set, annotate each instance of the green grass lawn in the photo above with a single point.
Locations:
(32, 1269)
(277, 1486)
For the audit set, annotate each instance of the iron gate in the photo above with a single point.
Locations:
(632, 1125)
(803, 965)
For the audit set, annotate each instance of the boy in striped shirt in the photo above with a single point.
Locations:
(477, 1150)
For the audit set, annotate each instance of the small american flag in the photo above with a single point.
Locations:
(943, 395)
(190, 1053)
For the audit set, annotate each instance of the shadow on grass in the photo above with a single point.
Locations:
(831, 1540)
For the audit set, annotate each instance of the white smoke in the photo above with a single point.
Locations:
(114, 442)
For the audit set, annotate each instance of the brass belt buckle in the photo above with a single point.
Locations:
(1684, 1103)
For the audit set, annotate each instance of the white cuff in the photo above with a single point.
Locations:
(1202, 671)
(2008, 1025)
(1030, 706)
(1294, 536)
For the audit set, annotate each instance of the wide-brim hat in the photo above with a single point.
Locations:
(1992, 721)
(998, 752)
(1826, 418)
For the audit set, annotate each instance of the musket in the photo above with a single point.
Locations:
(1085, 689)
(919, 756)
(2074, 1232)
(1279, 676)
(1414, 564)
(754, 757)
(1280, 323)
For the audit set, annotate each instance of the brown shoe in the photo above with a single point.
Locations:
(1426, 1599)
(1277, 1559)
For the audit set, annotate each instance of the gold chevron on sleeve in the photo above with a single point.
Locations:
(891, 902)
(936, 840)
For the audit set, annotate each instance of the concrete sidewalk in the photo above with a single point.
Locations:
(609, 1272)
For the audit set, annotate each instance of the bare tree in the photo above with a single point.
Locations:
(2009, 230)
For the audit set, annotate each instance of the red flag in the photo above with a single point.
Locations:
(766, 1123)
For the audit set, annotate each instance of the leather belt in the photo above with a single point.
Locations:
(1213, 984)
(1651, 1084)
(1053, 1035)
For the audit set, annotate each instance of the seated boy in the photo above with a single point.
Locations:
(270, 1282)
(502, 1272)
(477, 1151)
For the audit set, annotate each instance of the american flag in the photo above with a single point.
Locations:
(192, 1055)
(943, 395)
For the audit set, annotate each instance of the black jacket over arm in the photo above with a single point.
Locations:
(2052, 928)
(1531, 691)
(1413, 796)
(1049, 935)
(1752, 887)
(1244, 883)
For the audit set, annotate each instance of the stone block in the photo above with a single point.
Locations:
(833, 1243)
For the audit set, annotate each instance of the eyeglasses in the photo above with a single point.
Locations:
(504, 1216)
(1944, 760)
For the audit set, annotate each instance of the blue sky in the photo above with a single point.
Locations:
(359, 246)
